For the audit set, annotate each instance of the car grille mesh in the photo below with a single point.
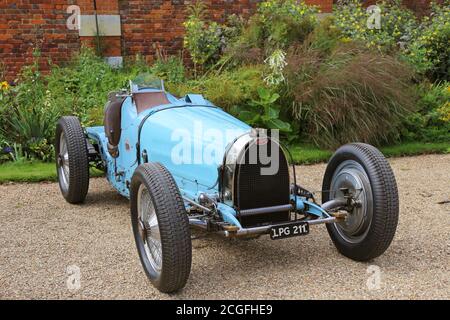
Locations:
(254, 190)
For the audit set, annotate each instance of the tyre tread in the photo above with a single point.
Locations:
(173, 224)
(78, 158)
(385, 195)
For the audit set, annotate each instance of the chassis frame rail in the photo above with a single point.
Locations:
(242, 232)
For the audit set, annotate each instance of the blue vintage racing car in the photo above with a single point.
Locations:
(185, 163)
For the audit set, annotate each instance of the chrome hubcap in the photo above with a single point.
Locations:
(148, 228)
(352, 176)
(63, 162)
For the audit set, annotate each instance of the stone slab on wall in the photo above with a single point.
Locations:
(108, 25)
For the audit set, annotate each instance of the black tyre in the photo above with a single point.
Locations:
(72, 164)
(370, 226)
(161, 227)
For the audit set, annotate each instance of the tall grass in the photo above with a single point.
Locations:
(347, 93)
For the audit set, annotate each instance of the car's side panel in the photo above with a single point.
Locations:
(97, 134)
(189, 140)
(121, 169)
(126, 162)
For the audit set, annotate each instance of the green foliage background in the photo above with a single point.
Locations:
(337, 80)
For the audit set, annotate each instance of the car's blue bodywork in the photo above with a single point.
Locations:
(186, 164)
(155, 134)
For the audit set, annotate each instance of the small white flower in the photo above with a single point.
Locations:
(276, 62)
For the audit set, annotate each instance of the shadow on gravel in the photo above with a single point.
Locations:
(262, 254)
(105, 198)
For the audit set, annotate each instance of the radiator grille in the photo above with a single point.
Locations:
(254, 190)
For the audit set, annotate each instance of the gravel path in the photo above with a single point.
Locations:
(41, 236)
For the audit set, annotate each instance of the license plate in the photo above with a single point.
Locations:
(289, 230)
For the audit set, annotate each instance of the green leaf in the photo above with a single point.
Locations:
(263, 93)
(271, 113)
(266, 96)
(249, 117)
(279, 124)
(273, 98)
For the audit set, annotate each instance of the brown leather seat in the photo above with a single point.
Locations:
(112, 122)
(147, 100)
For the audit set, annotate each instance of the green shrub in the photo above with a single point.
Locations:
(286, 21)
(232, 29)
(5, 104)
(81, 88)
(424, 44)
(227, 89)
(344, 92)
(431, 122)
(276, 25)
(202, 39)
(30, 110)
(169, 68)
(5, 150)
(398, 24)
(30, 118)
(430, 52)
(264, 112)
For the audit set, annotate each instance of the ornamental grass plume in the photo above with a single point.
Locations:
(354, 94)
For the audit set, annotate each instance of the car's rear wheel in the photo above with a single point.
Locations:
(160, 227)
(72, 164)
(362, 171)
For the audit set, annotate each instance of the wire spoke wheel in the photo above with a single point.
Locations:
(149, 228)
(161, 227)
(63, 162)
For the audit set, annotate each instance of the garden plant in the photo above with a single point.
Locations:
(279, 67)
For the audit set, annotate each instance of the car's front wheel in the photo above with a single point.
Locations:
(362, 172)
(160, 227)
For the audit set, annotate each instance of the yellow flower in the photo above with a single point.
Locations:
(4, 85)
(445, 112)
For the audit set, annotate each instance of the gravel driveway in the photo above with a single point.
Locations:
(44, 240)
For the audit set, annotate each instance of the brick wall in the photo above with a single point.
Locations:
(27, 24)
